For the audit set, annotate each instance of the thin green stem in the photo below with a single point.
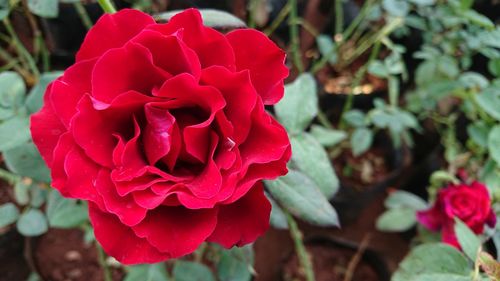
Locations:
(307, 27)
(278, 20)
(323, 119)
(103, 263)
(252, 7)
(9, 177)
(304, 257)
(21, 50)
(359, 18)
(107, 6)
(358, 77)
(339, 17)
(82, 13)
(4, 55)
(294, 36)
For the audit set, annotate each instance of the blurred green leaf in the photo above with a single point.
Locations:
(494, 143)
(469, 242)
(489, 100)
(278, 217)
(299, 106)
(192, 271)
(478, 132)
(12, 91)
(298, 194)
(25, 160)
(8, 214)
(396, 220)
(423, 2)
(32, 223)
(34, 101)
(211, 17)
(378, 69)
(403, 199)
(327, 48)
(38, 196)
(14, 132)
(473, 80)
(355, 118)
(432, 258)
(44, 8)
(490, 266)
(398, 8)
(235, 264)
(310, 157)
(494, 67)
(4, 9)
(327, 137)
(147, 272)
(21, 192)
(361, 141)
(441, 277)
(478, 19)
(65, 213)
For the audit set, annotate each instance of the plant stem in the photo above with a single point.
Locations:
(323, 119)
(358, 19)
(303, 255)
(102, 261)
(107, 6)
(21, 50)
(294, 36)
(339, 17)
(82, 13)
(279, 19)
(252, 7)
(9, 177)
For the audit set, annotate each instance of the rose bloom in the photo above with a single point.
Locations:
(161, 128)
(470, 203)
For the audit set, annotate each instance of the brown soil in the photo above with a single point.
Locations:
(4, 193)
(362, 171)
(61, 255)
(330, 264)
(13, 266)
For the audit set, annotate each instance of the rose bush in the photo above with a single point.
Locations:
(470, 203)
(162, 129)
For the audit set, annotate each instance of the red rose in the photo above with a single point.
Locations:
(470, 203)
(162, 129)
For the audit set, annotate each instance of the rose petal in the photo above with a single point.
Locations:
(112, 31)
(243, 221)
(265, 61)
(211, 46)
(158, 134)
(177, 230)
(116, 239)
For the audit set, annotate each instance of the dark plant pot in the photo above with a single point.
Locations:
(352, 199)
(331, 248)
(13, 265)
(332, 104)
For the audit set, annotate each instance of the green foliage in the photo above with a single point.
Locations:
(147, 272)
(44, 8)
(32, 223)
(469, 242)
(8, 214)
(327, 137)
(301, 196)
(192, 271)
(299, 106)
(400, 215)
(235, 264)
(212, 18)
(65, 213)
(25, 160)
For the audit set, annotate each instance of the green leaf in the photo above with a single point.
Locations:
(327, 137)
(441, 277)
(494, 143)
(494, 66)
(65, 213)
(478, 132)
(32, 223)
(192, 271)
(469, 242)
(448, 66)
(355, 118)
(490, 266)
(432, 258)
(26, 161)
(398, 8)
(378, 68)
(310, 157)
(299, 106)
(34, 101)
(423, 2)
(478, 19)
(4, 9)
(235, 264)
(298, 194)
(21, 192)
(466, 4)
(14, 132)
(327, 48)
(12, 90)
(8, 214)
(211, 17)
(147, 272)
(489, 100)
(44, 8)
(404, 199)
(38, 196)
(396, 220)
(278, 217)
(473, 80)
(361, 141)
